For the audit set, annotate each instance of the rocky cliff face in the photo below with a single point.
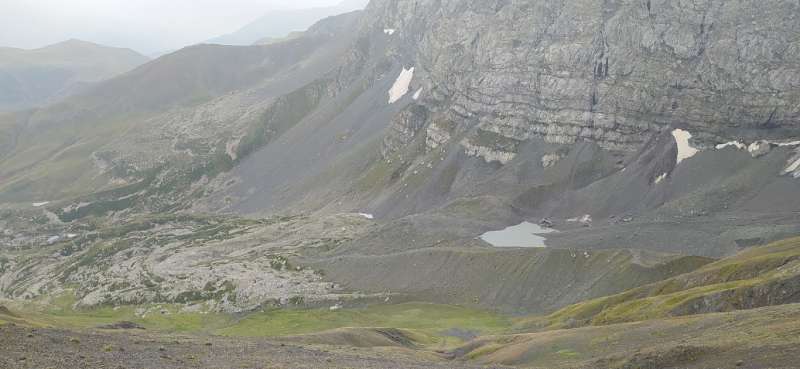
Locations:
(616, 72)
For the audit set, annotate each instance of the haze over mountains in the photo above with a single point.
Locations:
(147, 26)
(30, 78)
(278, 24)
(355, 166)
(36, 77)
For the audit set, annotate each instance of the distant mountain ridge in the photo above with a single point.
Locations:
(279, 24)
(31, 78)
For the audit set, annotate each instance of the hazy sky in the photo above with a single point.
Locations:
(145, 25)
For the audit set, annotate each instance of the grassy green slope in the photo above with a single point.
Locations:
(426, 322)
(767, 275)
(763, 337)
(637, 328)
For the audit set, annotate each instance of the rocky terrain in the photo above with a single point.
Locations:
(220, 265)
(740, 311)
(28, 348)
(338, 175)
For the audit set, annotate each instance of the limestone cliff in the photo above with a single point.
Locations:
(616, 72)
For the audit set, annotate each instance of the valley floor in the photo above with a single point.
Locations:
(757, 338)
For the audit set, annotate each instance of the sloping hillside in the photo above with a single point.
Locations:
(764, 337)
(514, 281)
(504, 125)
(31, 78)
(755, 326)
(54, 152)
(764, 276)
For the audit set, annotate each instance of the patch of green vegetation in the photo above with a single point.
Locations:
(227, 288)
(567, 353)
(189, 296)
(64, 300)
(483, 351)
(600, 340)
(621, 312)
(82, 318)
(418, 316)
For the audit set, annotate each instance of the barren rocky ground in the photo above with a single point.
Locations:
(329, 191)
(132, 348)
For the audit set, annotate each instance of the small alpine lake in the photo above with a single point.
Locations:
(525, 234)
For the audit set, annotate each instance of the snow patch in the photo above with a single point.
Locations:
(389, 31)
(38, 204)
(400, 87)
(685, 150)
(416, 94)
(52, 239)
(584, 219)
(661, 178)
(793, 167)
(71, 235)
(757, 148)
(781, 144)
(735, 144)
(368, 216)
